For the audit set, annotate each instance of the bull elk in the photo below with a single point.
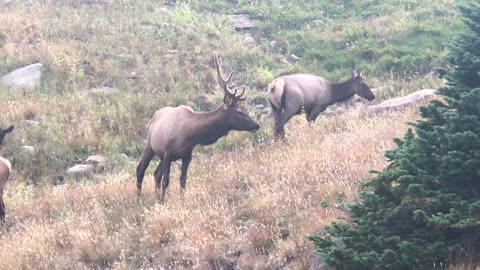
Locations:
(172, 133)
(5, 170)
(288, 95)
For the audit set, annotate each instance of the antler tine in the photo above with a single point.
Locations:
(243, 92)
(221, 80)
(241, 97)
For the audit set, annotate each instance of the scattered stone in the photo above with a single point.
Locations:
(400, 103)
(164, 12)
(371, 17)
(27, 77)
(95, 160)
(27, 150)
(337, 110)
(32, 122)
(294, 57)
(242, 21)
(249, 40)
(80, 170)
(317, 22)
(317, 262)
(133, 75)
(124, 156)
(105, 90)
(98, 163)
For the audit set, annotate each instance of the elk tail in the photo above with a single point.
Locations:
(8, 164)
(276, 93)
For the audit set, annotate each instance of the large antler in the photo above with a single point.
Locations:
(229, 96)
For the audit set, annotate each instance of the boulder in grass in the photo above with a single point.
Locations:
(98, 163)
(400, 103)
(27, 77)
(242, 21)
(106, 91)
(80, 170)
(27, 150)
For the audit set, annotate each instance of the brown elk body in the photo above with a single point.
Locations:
(288, 95)
(174, 132)
(5, 171)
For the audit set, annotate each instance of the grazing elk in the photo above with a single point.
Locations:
(288, 95)
(5, 170)
(174, 132)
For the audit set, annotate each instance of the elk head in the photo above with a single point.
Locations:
(4, 132)
(360, 87)
(237, 119)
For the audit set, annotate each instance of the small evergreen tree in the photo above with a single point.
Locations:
(423, 210)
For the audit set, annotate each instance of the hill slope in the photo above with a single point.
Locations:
(250, 207)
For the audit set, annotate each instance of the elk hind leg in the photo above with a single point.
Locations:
(286, 115)
(163, 176)
(276, 112)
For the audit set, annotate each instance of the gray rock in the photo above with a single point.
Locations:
(370, 17)
(80, 170)
(317, 262)
(123, 156)
(27, 150)
(249, 40)
(32, 122)
(164, 12)
(98, 163)
(400, 103)
(242, 21)
(26, 77)
(317, 22)
(294, 57)
(95, 160)
(107, 91)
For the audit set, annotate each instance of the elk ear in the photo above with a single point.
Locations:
(354, 73)
(8, 130)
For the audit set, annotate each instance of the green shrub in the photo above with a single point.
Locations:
(423, 211)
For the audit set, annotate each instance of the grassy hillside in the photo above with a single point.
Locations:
(159, 53)
(249, 208)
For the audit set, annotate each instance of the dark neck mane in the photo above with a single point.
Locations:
(210, 126)
(342, 91)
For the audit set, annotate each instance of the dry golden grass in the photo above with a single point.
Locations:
(251, 206)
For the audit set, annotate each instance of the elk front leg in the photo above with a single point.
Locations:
(147, 156)
(316, 111)
(2, 208)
